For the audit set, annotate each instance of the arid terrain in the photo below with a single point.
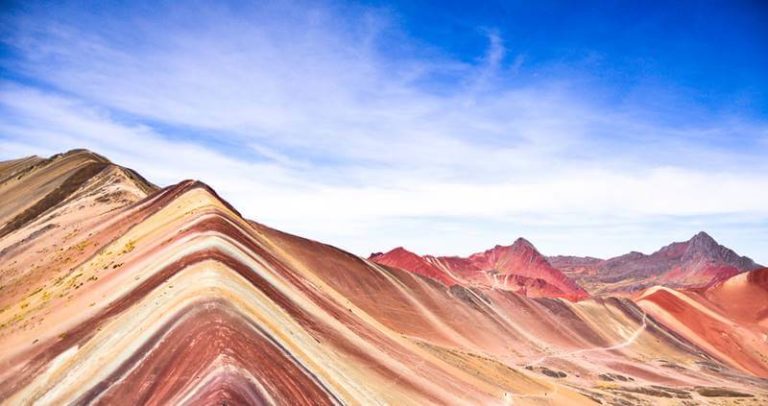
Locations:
(116, 291)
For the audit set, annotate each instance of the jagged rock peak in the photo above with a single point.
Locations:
(522, 242)
(703, 239)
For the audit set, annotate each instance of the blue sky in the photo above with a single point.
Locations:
(445, 127)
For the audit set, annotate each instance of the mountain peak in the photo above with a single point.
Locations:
(526, 250)
(400, 250)
(523, 243)
(397, 252)
(520, 245)
(702, 245)
(703, 238)
(81, 152)
(520, 250)
(400, 257)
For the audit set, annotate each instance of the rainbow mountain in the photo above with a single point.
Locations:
(116, 291)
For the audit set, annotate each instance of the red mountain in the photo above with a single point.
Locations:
(743, 297)
(116, 291)
(697, 263)
(407, 260)
(518, 267)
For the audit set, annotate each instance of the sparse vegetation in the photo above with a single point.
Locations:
(722, 392)
(82, 245)
(129, 246)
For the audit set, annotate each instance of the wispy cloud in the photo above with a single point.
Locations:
(333, 124)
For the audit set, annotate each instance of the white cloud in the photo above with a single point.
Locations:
(341, 141)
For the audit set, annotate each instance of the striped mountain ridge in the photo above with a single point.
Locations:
(116, 291)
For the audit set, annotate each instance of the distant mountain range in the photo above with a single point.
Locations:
(697, 263)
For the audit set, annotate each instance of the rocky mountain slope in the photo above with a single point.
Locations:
(697, 263)
(518, 268)
(115, 291)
